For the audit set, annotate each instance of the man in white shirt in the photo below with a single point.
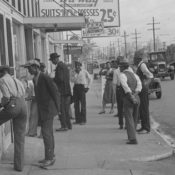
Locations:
(146, 77)
(131, 86)
(13, 107)
(82, 81)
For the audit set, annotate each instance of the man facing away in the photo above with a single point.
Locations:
(13, 107)
(62, 80)
(82, 81)
(145, 76)
(47, 98)
(131, 86)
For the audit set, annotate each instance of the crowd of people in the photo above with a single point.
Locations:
(129, 88)
(48, 97)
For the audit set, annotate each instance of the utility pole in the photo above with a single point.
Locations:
(153, 29)
(118, 41)
(136, 38)
(125, 36)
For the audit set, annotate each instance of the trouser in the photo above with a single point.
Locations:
(131, 116)
(48, 138)
(119, 97)
(65, 115)
(144, 109)
(33, 119)
(19, 115)
(79, 103)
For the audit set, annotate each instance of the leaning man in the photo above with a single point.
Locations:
(13, 107)
(47, 98)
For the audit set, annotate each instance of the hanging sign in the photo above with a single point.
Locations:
(106, 11)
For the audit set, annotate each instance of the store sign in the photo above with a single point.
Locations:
(106, 11)
(107, 32)
(70, 50)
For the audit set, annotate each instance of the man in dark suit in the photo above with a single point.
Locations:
(47, 97)
(62, 80)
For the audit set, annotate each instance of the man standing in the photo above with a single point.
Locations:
(145, 76)
(119, 90)
(62, 80)
(82, 81)
(47, 98)
(131, 86)
(13, 107)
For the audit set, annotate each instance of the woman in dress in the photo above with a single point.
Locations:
(108, 95)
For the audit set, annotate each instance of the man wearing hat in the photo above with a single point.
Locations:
(13, 107)
(131, 86)
(82, 81)
(145, 76)
(62, 80)
(47, 98)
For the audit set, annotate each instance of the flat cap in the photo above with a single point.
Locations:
(124, 62)
(30, 63)
(53, 55)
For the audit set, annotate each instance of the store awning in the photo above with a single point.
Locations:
(51, 24)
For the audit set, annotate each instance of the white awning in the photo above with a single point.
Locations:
(51, 24)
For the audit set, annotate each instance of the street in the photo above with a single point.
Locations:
(163, 110)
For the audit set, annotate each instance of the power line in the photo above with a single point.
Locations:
(136, 37)
(125, 36)
(153, 29)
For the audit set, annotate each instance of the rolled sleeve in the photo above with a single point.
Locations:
(145, 71)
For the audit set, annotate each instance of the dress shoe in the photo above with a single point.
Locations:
(116, 115)
(143, 131)
(61, 129)
(44, 160)
(82, 123)
(121, 127)
(76, 123)
(132, 142)
(31, 135)
(101, 112)
(48, 163)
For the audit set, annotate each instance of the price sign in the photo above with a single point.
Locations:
(106, 11)
(107, 32)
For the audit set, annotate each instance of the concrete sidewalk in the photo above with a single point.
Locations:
(96, 148)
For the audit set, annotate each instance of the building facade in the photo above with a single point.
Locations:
(20, 42)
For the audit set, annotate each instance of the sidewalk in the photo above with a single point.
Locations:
(96, 148)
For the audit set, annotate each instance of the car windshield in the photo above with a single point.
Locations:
(157, 57)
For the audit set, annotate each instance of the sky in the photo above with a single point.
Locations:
(136, 14)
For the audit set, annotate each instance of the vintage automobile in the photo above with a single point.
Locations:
(155, 87)
(158, 65)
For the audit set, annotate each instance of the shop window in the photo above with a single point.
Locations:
(13, 3)
(9, 42)
(19, 5)
(2, 42)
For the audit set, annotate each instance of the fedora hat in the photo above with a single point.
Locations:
(53, 55)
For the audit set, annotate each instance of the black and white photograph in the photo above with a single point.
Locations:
(87, 87)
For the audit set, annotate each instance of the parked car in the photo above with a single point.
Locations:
(158, 65)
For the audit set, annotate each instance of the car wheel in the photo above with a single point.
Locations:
(172, 76)
(159, 94)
